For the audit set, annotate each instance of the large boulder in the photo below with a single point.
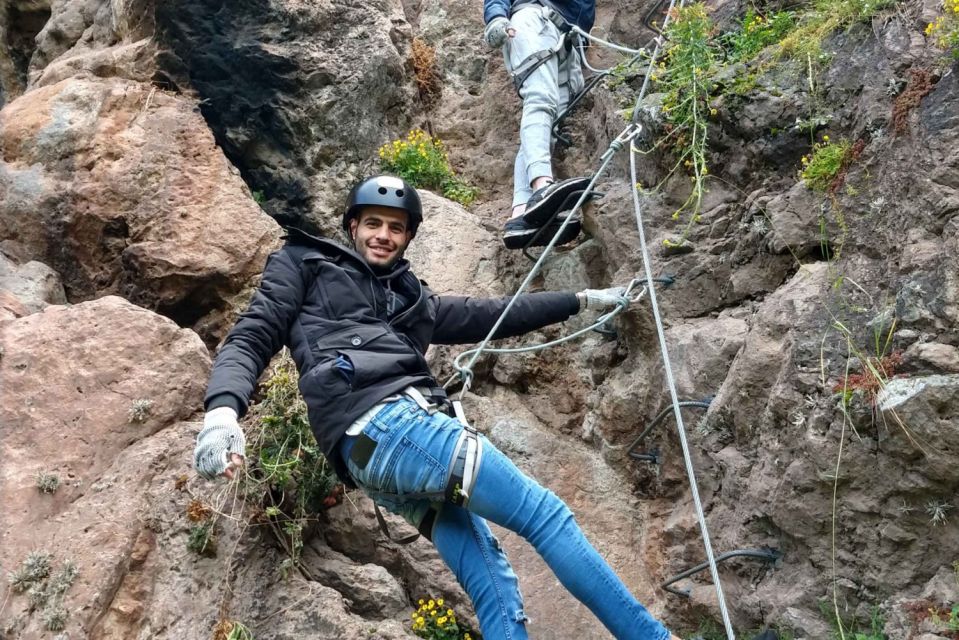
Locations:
(84, 389)
(121, 188)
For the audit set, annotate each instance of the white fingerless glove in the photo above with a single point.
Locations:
(495, 34)
(220, 437)
(602, 298)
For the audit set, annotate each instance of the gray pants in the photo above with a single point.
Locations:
(545, 94)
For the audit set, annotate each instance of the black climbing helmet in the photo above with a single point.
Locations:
(385, 191)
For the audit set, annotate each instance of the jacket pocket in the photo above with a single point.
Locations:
(375, 352)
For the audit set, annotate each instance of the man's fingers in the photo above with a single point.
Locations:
(511, 32)
(236, 461)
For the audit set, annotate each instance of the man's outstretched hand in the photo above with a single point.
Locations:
(220, 446)
(601, 299)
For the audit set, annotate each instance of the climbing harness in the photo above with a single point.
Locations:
(465, 372)
(535, 60)
(462, 474)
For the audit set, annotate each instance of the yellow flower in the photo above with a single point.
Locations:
(441, 620)
(467, 636)
(432, 613)
(705, 171)
(449, 612)
(825, 138)
(431, 605)
(421, 601)
(439, 602)
(713, 112)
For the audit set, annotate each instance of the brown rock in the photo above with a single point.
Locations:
(934, 355)
(84, 389)
(132, 196)
(35, 284)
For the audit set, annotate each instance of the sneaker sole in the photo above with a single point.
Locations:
(543, 210)
(519, 240)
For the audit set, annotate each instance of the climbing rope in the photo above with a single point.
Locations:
(629, 297)
(626, 136)
(667, 367)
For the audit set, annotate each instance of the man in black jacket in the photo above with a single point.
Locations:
(358, 324)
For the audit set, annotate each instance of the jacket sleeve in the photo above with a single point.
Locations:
(465, 320)
(257, 336)
(495, 8)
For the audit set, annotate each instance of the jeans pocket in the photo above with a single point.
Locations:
(407, 469)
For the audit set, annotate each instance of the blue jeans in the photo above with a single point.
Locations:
(414, 450)
(545, 94)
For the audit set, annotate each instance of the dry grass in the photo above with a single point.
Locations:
(423, 59)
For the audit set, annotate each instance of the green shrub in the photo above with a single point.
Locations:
(685, 78)
(288, 475)
(47, 482)
(422, 160)
(758, 32)
(825, 163)
(805, 40)
(202, 539)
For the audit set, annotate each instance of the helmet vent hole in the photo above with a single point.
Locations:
(382, 191)
(399, 193)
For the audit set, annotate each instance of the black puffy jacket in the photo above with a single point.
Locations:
(323, 301)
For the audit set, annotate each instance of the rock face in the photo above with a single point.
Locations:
(80, 404)
(121, 188)
(33, 285)
(137, 143)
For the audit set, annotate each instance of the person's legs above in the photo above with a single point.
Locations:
(540, 95)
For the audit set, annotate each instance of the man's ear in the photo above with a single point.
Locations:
(354, 223)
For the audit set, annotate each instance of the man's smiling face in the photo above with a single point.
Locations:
(381, 235)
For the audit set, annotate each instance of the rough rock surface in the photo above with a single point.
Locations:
(135, 138)
(34, 284)
(121, 189)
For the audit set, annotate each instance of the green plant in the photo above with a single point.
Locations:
(45, 593)
(34, 568)
(202, 539)
(947, 619)
(232, 630)
(258, 197)
(434, 621)
(140, 410)
(55, 618)
(824, 165)
(423, 161)
(685, 77)
(758, 32)
(47, 482)
(945, 29)
(853, 628)
(826, 16)
(288, 475)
